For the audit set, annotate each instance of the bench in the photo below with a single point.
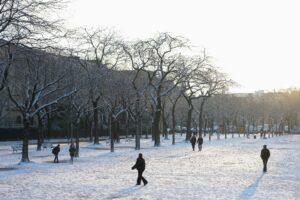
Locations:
(16, 147)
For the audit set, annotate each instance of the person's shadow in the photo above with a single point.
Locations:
(250, 190)
(125, 192)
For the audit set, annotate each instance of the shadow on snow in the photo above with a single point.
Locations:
(250, 190)
(125, 192)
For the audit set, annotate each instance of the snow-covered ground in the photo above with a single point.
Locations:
(225, 169)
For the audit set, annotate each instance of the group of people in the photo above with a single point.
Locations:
(265, 152)
(56, 150)
(199, 141)
(140, 164)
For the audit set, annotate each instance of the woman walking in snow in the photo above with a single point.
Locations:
(200, 142)
(193, 142)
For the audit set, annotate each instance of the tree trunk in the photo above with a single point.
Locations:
(137, 136)
(205, 126)
(49, 123)
(77, 141)
(91, 131)
(224, 128)
(71, 131)
(263, 124)
(116, 131)
(188, 123)
(77, 144)
(276, 127)
(157, 117)
(127, 125)
(95, 119)
(112, 145)
(156, 131)
(40, 138)
(212, 130)
(173, 123)
(25, 157)
(200, 117)
(165, 125)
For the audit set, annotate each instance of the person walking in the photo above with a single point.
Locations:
(140, 166)
(72, 151)
(193, 142)
(200, 142)
(265, 155)
(56, 151)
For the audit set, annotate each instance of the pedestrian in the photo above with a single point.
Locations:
(265, 155)
(193, 142)
(72, 151)
(200, 142)
(140, 166)
(56, 151)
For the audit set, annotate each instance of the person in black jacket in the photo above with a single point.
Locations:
(56, 151)
(200, 142)
(140, 166)
(265, 155)
(72, 151)
(193, 142)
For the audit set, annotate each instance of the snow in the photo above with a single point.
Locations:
(225, 169)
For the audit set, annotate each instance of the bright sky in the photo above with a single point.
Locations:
(256, 42)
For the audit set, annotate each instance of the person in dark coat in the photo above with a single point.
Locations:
(72, 151)
(140, 166)
(56, 151)
(200, 142)
(265, 155)
(193, 142)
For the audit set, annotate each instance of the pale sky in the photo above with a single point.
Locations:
(256, 42)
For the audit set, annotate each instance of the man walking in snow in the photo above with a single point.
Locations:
(265, 154)
(56, 151)
(193, 142)
(200, 142)
(140, 166)
(72, 151)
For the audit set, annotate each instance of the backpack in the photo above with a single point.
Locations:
(54, 150)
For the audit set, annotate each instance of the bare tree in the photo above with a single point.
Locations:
(101, 51)
(173, 99)
(115, 93)
(139, 59)
(164, 73)
(194, 84)
(34, 87)
(215, 83)
(25, 20)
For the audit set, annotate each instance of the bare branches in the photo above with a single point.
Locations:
(27, 19)
(101, 46)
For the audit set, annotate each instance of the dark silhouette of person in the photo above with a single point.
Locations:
(200, 142)
(265, 155)
(140, 166)
(193, 142)
(72, 151)
(56, 151)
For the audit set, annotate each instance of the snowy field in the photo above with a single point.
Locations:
(225, 169)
